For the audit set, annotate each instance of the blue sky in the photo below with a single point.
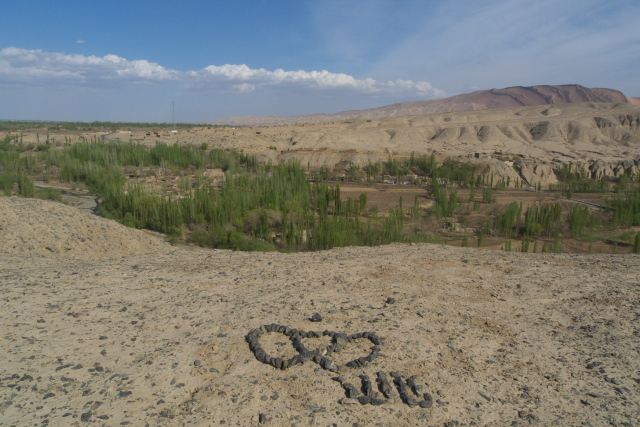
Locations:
(128, 60)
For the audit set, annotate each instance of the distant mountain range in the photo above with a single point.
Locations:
(517, 96)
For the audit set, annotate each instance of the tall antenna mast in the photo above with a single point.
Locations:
(173, 116)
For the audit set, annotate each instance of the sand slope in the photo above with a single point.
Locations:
(496, 338)
(32, 227)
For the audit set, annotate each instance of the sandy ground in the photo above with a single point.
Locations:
(497, 339)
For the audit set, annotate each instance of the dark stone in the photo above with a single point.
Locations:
(365, 400)
(411, 382)
(367, 387)
(612, 380)
(328, 364)
(377, 402)
(316, 318)
(404, 392)
(85, 417)
(487, 398)
(384, 385)
(262, 418)
(391, 300)
(427, 402)
(375, 339)
(308, 355)
(197, 362)
(351, 391)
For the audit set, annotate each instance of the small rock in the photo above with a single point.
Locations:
(197, 362)
(316, 318)
(365, 400)
(487, 398)
(612, 380)
(391, 300)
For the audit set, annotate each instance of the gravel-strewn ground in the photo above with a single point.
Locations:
(159, 338)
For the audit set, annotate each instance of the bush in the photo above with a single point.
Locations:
(48, 193)
(26, 187)
(7, 182)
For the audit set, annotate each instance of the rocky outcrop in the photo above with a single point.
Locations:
(536, 174)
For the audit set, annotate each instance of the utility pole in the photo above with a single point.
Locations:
(173, 116)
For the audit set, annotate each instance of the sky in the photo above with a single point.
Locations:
(116, 60)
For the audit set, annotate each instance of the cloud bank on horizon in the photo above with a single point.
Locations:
(36, 67)
(300, 56)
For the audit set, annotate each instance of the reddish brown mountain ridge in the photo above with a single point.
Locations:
(517, 96)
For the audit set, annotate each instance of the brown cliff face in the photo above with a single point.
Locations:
(511, 97)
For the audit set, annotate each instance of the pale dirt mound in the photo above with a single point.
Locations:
(43, 228)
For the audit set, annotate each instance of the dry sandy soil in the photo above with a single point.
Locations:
(122, 329)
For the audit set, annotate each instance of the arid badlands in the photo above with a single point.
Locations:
(106, 325)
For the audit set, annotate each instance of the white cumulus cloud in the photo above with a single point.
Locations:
(36, 67)
(39, 67)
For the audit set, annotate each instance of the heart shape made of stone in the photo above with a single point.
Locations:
(296, 336)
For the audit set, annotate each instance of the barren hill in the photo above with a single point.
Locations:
(517, 96)
(492, 338)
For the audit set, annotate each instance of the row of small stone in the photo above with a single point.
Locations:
(338, 342)
(370, 396)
